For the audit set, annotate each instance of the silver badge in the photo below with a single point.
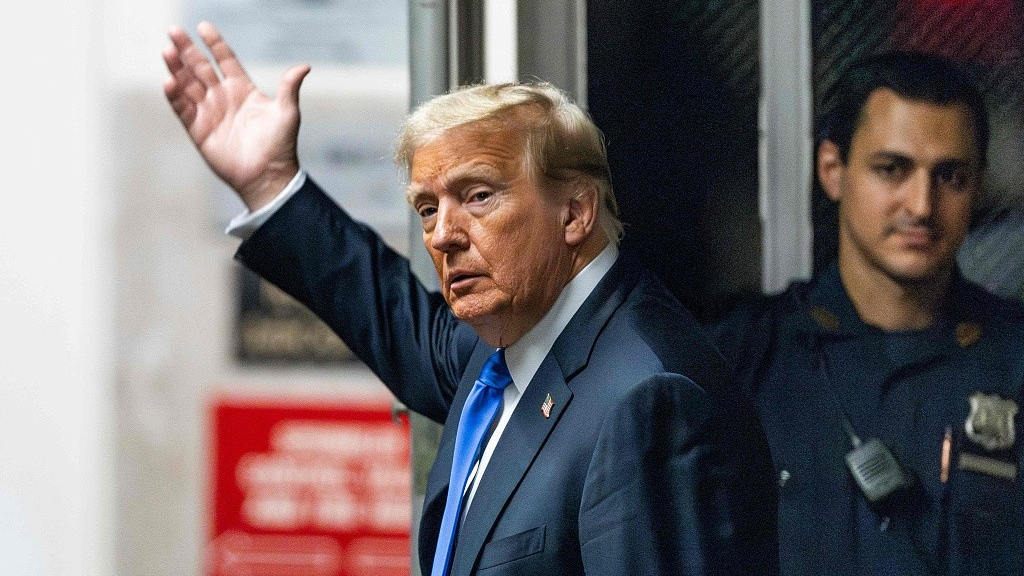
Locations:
(990, 423)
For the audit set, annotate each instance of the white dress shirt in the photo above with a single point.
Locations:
(243, 225)
(523, 358)
(526, 355)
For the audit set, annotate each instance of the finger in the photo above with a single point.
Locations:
(200, 66)
(183, 106)
(172, 89)
(222, 52)
(178, 36)
(172, 54)
(291, 82)
(185, 82)
(193, 58)
(171, 59)
(180, 43)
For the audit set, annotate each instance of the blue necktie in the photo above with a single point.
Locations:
(482, 405)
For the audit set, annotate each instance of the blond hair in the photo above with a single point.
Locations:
(562, 143)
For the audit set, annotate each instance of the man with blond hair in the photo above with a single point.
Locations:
(589, 425)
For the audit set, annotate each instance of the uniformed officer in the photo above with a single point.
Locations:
(889, 385)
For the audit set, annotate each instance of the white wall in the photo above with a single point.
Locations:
(62, 62)
(115, 300)
(55, 299)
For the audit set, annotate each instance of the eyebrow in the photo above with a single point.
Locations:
(891, 155)
(468, 172)
(413, 191)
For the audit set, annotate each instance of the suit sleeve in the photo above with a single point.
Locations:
(366, 292)
(668, 492)
(744, 337)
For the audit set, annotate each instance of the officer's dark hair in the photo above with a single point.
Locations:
(911, 75)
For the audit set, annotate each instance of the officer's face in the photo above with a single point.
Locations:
(906, 190)
(498, 239)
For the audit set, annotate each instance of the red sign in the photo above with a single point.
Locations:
(308, 489)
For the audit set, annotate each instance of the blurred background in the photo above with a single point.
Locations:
(164, 413)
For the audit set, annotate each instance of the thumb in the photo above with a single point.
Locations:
(291, 82)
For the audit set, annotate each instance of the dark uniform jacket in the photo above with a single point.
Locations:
(818, 375)
(631, 451)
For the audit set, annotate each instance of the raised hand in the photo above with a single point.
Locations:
(247, 138)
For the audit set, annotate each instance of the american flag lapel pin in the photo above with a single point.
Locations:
(546, 407)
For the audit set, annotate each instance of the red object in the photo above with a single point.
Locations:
(983, 31)
(308, 489)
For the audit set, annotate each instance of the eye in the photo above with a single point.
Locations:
(480, 195)
(426, 211)
(890, 170)
(955, 177)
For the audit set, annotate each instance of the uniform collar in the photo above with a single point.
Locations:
(828, 310)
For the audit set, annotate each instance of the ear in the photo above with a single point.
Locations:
(830, 169)
(579, 215)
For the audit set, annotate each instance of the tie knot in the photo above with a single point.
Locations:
(495, 372)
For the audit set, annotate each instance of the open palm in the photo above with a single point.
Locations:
(246, 137)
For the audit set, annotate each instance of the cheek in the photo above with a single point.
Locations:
(509, 264)
(855, 213)
(957, 217)
(540, 267)
(872, 211)
(521, 251)
(436, 256)
(510, 250)
(426, 244)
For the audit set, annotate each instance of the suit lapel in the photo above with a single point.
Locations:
(522, 439)
(573, 346)
(527, 429)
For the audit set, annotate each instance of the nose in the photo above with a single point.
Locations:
(449, 233)
(920, 196)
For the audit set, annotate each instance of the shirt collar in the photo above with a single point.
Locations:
(832, 311)
(831, 307)
(526, 355)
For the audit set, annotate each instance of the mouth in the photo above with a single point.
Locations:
(460, 281)
(918, 236)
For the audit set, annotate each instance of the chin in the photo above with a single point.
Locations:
(463, 313)
(923, 272)
(472, 309)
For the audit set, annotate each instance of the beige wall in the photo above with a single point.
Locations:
(55, 298)
(116, 297)
(174, 320)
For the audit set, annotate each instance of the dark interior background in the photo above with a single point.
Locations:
(674, 86)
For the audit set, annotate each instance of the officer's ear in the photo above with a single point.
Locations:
(830, 169)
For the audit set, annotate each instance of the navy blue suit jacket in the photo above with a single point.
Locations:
(650, 461)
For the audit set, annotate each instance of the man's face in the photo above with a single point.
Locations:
(497, 239)
(906, 190)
